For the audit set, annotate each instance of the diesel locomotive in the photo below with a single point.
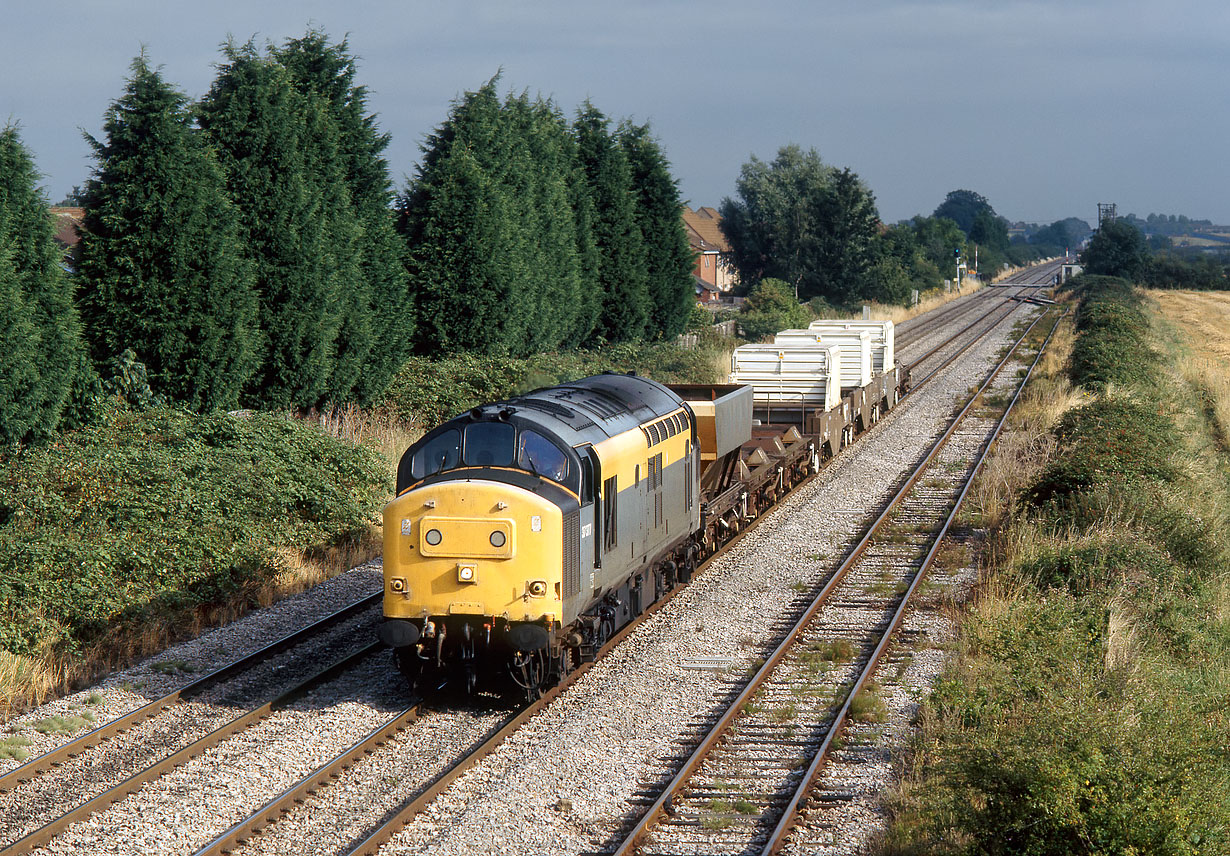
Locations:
(525, 533)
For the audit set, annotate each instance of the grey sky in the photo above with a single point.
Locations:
(1044, 107)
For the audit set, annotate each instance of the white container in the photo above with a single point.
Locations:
(798, 375)
(883, 358)
(855, 346)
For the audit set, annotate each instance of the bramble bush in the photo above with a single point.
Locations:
(1085, 711)
(1113, 341)
(151, 512)
(1108, 440)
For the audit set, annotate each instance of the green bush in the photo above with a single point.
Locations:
(1099, 565)
(1086, 710)
(160, 510)
(1113, 341)
(1108, 440)
(1037, 747)
(771, 307)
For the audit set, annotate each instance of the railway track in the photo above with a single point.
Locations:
(114, 759)
(435, 778)
(741, 789)
(910, 332)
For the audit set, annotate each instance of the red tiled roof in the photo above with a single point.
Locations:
(704, 226)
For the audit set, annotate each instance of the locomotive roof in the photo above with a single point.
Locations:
(593, 408)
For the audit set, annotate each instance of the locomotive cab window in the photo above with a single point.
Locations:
(539, 455)
(437, 454)
(489, 444)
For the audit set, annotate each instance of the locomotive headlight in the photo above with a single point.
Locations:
(397, 584)
(498, 539)
(467, 573)
(538, 588)
(433, 537)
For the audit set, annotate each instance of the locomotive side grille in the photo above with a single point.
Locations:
(572, 553)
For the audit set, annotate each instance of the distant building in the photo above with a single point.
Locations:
(69, 223)
(713, 273)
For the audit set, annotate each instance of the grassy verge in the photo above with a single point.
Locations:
(1085, 707)
(120, 538)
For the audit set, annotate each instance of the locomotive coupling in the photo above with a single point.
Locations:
(397, 633)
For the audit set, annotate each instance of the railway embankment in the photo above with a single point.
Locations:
(1084, 709)
(119, 538)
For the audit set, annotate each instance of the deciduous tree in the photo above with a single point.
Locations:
(962, 207)
(1116, 249)
(805, 223)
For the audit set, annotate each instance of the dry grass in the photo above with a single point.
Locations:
(1122, 639)
(1024, 450)
(377, 430)
(1204, 318)
(898, 314)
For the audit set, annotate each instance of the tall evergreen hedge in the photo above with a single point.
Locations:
(279, 148)
(659, 215)
(621, 277)
(163, 267)
(40, 351)
(377, 333)
(494, 252)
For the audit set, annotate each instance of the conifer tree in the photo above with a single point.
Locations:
(279, 150)
(379, 301)
(620, 275)
(164, 270)
(19, 341)
(466, 248)
(589, 302)
(553, 274)
(659, 214)
(34, 265)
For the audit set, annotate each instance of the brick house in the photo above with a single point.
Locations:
(714, 276)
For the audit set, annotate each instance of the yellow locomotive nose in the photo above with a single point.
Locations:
(472, 548)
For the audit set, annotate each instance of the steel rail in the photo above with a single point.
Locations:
(370, 845)
(272, 811)
(915, 328)
(1006, 305)
(133, 783)
(57, 757)
(734, 708)
(789, 818)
